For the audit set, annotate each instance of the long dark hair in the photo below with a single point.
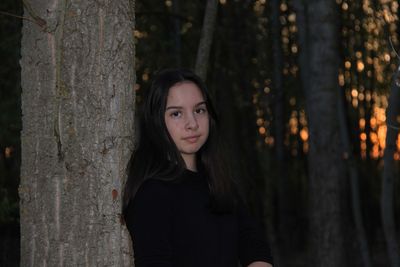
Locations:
(157, 156)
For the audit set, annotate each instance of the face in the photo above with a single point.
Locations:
(186, 118)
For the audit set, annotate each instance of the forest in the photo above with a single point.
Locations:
(309, 98)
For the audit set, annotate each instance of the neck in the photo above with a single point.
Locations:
(190, 162)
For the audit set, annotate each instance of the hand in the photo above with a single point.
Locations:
(259, 264)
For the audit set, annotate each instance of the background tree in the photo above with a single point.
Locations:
(280, 122)
(203, 52)
(176, 33)
(354, 177)
(390, 171)
(327, 180)
(77, 106)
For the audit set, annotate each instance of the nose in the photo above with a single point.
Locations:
(191, 123)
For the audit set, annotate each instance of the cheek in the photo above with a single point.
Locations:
(172, 128)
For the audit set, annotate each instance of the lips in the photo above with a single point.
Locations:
(192, 139)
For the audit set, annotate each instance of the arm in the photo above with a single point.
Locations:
(149, 223)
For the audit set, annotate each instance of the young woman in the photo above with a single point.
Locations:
(181, 206)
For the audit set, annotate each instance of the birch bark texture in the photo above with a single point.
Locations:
(327, 172)
(77, 63)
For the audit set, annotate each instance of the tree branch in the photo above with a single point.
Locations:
(36, 19)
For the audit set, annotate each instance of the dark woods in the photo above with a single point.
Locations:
(302, 89)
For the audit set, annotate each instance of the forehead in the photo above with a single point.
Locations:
(185, 92)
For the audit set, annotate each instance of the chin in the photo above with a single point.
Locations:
(191, 150)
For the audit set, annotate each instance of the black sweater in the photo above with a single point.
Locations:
(171, 225)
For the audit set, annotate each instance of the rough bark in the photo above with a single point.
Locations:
(203, 51)
(77, 104)
(390, 172)
(326, 166)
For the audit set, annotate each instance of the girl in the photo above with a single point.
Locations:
(180, 204)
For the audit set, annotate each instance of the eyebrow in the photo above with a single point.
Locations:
(179, 107)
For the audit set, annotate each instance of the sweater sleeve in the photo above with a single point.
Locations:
(149, 223)
(253, 245)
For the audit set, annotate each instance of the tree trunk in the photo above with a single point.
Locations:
(301, 9)
(279, 123)
(390, 172)
(354, 180)
(77, 105)
(176, 33)
(326, 166)
(203, 52)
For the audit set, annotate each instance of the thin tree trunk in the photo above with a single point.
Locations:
(177, 33)
(203, 51)
(390, 172)
(279, 123)
(326, 166)
(354, 180)
(77, 105)
(301, 8)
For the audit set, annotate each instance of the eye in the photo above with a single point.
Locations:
(176, 114)
(201, 110)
